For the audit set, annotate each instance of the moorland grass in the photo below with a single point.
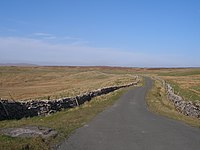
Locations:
(181, 72)
(64, 122)
(185, 81)
(186, 93)
(55, 82)
(24, 83)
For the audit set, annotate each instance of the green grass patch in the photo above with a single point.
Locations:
(187, 94)
(64, 122)
(158, 103)
(197, 88)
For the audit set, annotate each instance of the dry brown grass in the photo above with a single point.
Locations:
(185, 82)
(22, 83)
(54, 82)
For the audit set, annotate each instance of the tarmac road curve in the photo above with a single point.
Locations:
(128, 125)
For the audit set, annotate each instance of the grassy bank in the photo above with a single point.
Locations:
(158, 103)
(65, 122)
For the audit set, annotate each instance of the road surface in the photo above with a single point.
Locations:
(128, 125)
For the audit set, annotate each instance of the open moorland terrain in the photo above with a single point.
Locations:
(36, 82)
(24, 83)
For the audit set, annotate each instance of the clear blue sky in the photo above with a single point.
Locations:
(137, 33)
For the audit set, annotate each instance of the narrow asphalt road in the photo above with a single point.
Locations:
(128, 125)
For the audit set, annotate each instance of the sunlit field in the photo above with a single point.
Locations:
(24, 83)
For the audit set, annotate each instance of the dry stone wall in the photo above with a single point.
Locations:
(10, 109)
(188, 108)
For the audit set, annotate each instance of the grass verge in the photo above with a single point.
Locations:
(158, 103)
(64, 122)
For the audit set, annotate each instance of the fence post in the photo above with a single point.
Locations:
(76, 102)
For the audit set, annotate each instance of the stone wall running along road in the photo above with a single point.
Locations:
(128, 125)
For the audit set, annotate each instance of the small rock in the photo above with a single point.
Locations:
(29, 131)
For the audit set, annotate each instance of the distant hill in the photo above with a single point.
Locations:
(17, 64)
